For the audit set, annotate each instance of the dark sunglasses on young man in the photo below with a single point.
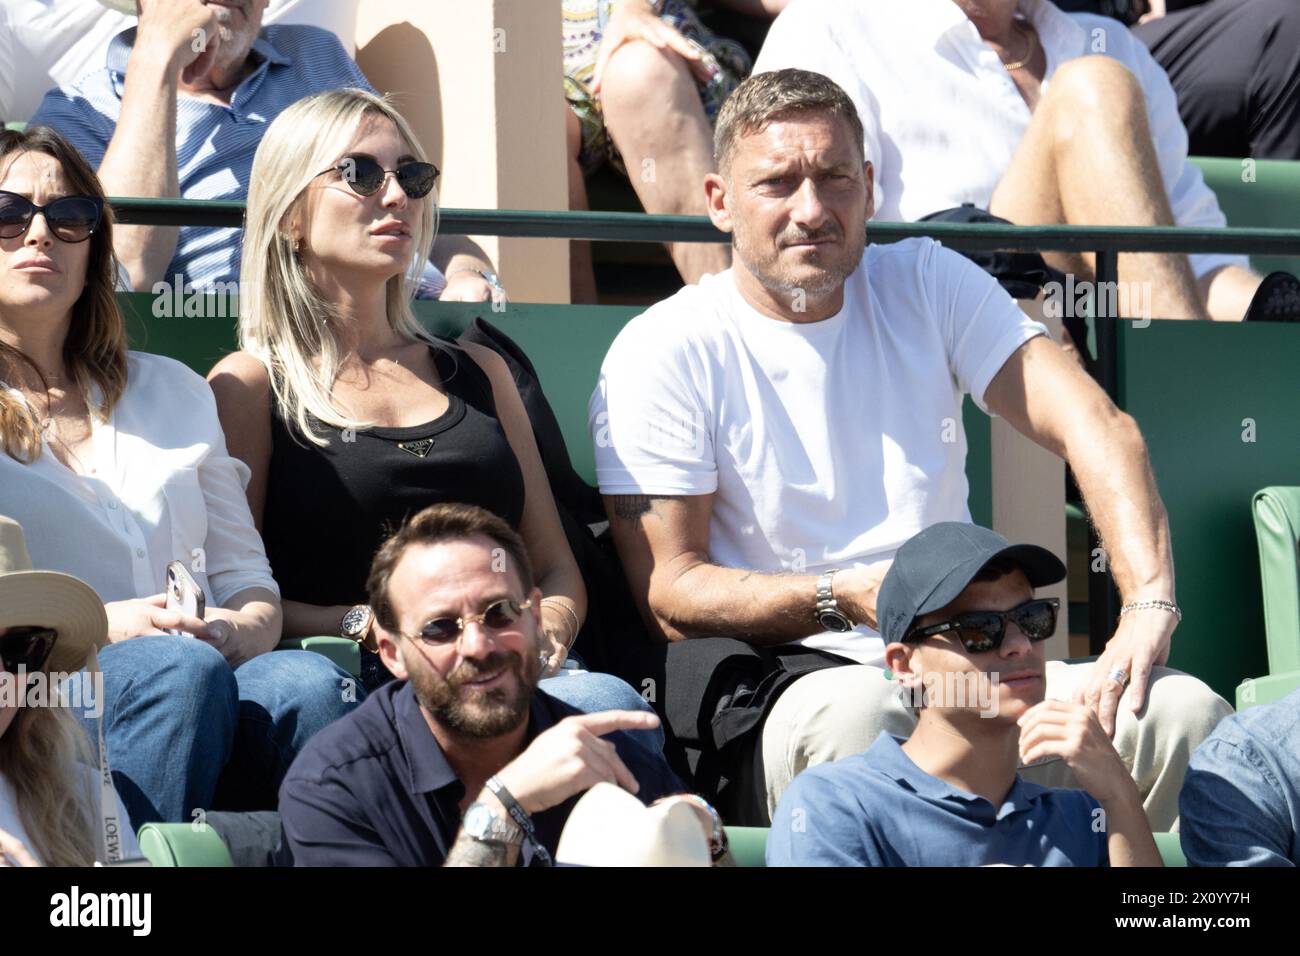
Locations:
(71, 218)
(26, 648)
(983, 631)
(497, 616)
(366, 176)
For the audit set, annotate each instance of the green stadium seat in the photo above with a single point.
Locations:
(343, 651)
(1263, 193)
(1258, 691)
(1277, 532)
(749, 847)
(182, 844)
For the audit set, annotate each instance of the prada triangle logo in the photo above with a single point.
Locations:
(417, 448)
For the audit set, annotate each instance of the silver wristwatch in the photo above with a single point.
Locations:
(484, 824)
(490, 277)
(828, 612)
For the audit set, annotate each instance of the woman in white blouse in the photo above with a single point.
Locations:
(115, 464)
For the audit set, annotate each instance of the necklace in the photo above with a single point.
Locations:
(1032, 39)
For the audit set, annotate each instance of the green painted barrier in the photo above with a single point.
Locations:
(1220, 410)
(1262, 193)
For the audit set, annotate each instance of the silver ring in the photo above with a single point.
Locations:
(1119, 675)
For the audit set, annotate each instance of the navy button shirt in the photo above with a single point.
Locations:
(374, 788)
(878, 808)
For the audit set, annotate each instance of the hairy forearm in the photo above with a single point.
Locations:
(682, 594)
(706, 600)
(141, 161)
(1113, 470)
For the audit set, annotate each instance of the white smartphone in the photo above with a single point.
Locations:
(183, 594)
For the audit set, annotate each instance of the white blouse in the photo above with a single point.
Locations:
(160, 487)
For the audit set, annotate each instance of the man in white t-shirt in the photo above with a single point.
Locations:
(1037, 115)
(801, 413)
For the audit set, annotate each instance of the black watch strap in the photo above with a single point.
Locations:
(521, 818)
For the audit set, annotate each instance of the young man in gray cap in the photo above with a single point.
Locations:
(963, 637)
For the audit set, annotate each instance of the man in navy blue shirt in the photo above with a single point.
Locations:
(462, 760)
(964, 640)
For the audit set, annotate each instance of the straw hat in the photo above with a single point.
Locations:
(610, 827)
(49, 599)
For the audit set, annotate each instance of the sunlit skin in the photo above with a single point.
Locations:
(41, 276)
(795, 196)
(1012, 675)
(487, 672)
(969, 741)
(349, 240)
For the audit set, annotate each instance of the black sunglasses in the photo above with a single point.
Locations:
(498, 616)
(366, 176)
(983, 631)
(26, 648)
(71, 218)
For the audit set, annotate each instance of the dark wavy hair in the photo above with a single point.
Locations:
(95, 348)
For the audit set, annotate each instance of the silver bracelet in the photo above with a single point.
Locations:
(1169, 606)
(573, 615)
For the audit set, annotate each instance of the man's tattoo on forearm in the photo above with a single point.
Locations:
(467, 851)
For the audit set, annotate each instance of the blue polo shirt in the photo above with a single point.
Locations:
(878, 808)
(214, 144)
(374, 788)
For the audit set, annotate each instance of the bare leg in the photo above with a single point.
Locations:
(1087, 159)
(1228, 292)
(653, 112)
(582, 278)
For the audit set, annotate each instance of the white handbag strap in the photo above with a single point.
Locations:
(110, 828)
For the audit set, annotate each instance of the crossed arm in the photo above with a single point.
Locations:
(664, 541)
(664, 544)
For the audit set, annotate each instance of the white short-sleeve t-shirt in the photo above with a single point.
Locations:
(826, 444)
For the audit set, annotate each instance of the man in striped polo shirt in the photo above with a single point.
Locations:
(178, 110)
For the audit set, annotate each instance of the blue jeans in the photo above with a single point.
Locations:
(590, 691)
(185, 732)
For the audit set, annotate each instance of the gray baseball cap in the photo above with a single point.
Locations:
(934, 566)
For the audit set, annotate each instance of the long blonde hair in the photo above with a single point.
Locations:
(44, 756)
(95, 348)
(284, 320)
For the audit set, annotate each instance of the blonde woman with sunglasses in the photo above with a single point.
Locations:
(349, 414)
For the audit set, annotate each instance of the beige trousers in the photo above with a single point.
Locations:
(840, 711)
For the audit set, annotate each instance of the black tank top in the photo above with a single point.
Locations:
(328, 509)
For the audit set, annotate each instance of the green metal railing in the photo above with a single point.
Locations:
(639, 227)
(1106, 242)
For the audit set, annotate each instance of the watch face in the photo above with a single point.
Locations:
(355, 621)
(834, 621)
(478, 820)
